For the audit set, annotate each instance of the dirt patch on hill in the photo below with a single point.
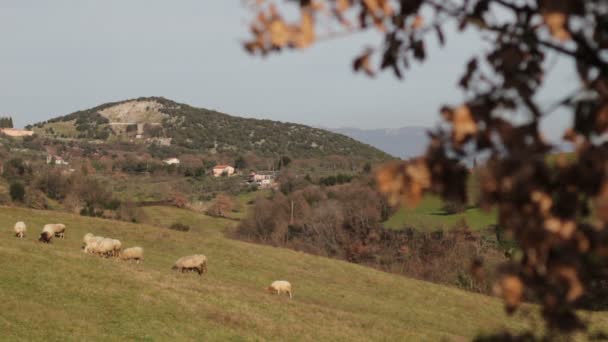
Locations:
(135, 112)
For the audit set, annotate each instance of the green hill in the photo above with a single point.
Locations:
(154, 119)
(56, 292)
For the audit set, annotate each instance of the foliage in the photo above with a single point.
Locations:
(221, 206)
(335, 180)
(17, 192)
(451, 207)
(6, 122)
(345, 222)
(545, 207)
(179, 227)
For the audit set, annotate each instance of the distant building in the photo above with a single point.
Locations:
(171, 161)
(263, 179)
(13, 132)
(220, 170)
(57, 160)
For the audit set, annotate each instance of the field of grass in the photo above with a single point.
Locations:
(55, 292)
(428, 216)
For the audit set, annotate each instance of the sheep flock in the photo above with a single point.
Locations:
(112, 248)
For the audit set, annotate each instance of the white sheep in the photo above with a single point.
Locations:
(279, 287)
(20, 229)
(57, 228)
(105, 247)
(196, 263)
(88, 237)
(133, 253)
(117, 246)
(52, 230)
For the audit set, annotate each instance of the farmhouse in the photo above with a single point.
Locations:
(13, 132)
(220, 170)
(263, 179)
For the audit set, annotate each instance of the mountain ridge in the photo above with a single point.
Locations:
(404, 142)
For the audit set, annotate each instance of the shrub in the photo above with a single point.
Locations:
(180, 227)
(453, 207)
(17, 192)
(128, 211)
(221, 206)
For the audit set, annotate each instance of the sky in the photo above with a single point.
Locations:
(60, 56)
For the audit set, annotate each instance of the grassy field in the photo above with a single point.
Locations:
(428, 216)
(55, 292)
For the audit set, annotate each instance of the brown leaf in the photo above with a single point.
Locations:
(342, 5)
(511, 289)
(307, 31)
(279, 36)
(418, 22)
(404, 181)
(556, 23)
(601, 204)
(575, 287)
(363, 62)
(463, 124)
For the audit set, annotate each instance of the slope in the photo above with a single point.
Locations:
(202, 130)
(56, 292)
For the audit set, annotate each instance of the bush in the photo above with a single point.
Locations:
(179, 227)
(17, 192)
(453, 207)
(128, 211)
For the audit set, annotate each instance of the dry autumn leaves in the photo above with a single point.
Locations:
(554, 207)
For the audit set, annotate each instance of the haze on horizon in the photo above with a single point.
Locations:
(62, 56)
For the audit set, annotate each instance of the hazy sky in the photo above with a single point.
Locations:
(59, 56)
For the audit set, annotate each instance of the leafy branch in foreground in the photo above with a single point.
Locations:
(556, 211)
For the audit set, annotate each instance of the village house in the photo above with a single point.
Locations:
(263, 179)
(171, 161)
(13, 132)
(220, 170)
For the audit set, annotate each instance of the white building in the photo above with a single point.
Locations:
(220, 170)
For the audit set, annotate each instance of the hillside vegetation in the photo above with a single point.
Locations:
(203, 130)
(54, 292)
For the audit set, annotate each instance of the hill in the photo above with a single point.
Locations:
(54, 292)
(164, 121)
(404, 142)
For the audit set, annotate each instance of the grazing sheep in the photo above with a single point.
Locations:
(133, 253)
(117, 246)
(105, 247)
(57, 229)
(91, 246)
(88, 237)
(48, 232)
(279, 287)
(90, 242)
(196, 263)
(20, 229)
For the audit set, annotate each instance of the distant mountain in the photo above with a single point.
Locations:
(405, 142)
(156, 119)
